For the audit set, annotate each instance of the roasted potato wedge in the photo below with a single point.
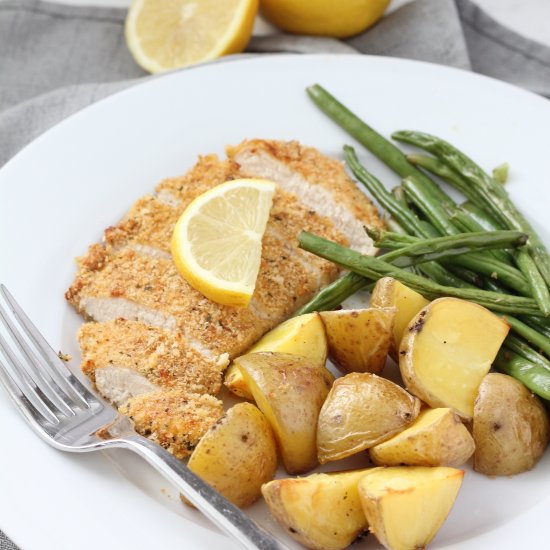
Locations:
(359, 339)
(237, 454)
(389, 293)
(511, 427)
(436, 438)
(406, 506)
(303, 335)
(361, 411)
(321, 511)
(448, 348)
(290, 391)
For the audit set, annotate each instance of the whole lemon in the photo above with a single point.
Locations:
(337, 18)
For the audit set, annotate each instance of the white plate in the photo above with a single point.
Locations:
(58, 194)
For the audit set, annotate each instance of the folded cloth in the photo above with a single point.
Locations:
(6, 543)
(56, 59)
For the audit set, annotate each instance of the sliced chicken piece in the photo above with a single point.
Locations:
(288, 217)
(174, 419)
(118, 384)
(150, 290)
(321, 184)
(128, 358)
(147, 228)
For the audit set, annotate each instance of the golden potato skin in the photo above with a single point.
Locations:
(303, 335)
(290, 391)
(448, 348)
(511, 427)
(359, 339)
(233, 380)
(436, 438)
(389, 293)
(362, 410)
(406, 506)
(321, 511)
(237, 454)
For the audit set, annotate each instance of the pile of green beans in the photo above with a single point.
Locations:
(483, 250)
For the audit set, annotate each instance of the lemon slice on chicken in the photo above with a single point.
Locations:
(217, 241)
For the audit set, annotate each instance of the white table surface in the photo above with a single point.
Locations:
(531, 18)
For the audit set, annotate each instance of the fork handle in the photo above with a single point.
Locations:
(212, 504)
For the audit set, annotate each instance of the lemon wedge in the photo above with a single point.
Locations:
(166, 34)
(217, 241)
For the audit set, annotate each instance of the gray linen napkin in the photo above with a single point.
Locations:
(6, 543)
(55, 59)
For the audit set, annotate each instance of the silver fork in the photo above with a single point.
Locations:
(68, 416)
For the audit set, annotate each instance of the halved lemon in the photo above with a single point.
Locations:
(217, 241)
(167, 34)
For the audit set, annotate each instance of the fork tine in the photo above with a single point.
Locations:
(21, 401)
(47, 385)
(24, 391)
(53, 365)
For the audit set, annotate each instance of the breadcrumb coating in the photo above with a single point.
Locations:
(207, 172)
(149, 223)
(288, 217)
(156, 286)
(173, 419)
(321, 183)
(163, 357)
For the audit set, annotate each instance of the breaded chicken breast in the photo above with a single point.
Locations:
(319, 182)
(173, 418)
(147, 358)
(156, 347)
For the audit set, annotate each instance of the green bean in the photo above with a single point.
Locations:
(399, 195)
(447, 174)
(402, 214)
(437, 210)
(533, 376)
(445, 277)
(432, 210)
(395, 226)
(411, 250)
(483, 218)
(539, 290)
(537, 323)
(375, 268)
(382, 237)
(334, 294)
(466, 222)
(520, 347)
(540, 341)
(448, 247)
(475, 280)
(478, 263)
(379, 146)
(494, 195)
(534, 329)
